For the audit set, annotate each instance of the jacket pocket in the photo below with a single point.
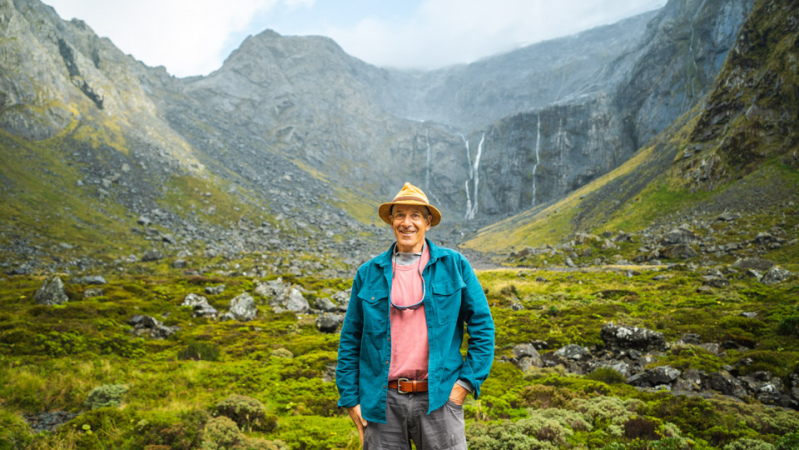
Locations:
(447, 297)
(375, 309)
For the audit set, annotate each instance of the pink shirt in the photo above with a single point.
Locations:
(409, 347)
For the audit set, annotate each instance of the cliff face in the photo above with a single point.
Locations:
(561, 147)
(290, 117)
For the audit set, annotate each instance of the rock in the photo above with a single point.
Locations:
(758, 264)
(769, 394)
(152, 255)
(143, 221)
(522, 350)
(342, 298)
(51, 292)
(93, 279)
(775, 275)
(215, 290)
(714, 281)
(663, 375)
(179, 264)
(296, 302)
(242, 308)
(690, 338)
(517, 306)
(325, 304)
(681, 235)
(168, 238)
(150, 327)
(199, 305)
(621, 337)
(48, 421)
(727, 384)
(92, 292)
(679, 251)
(619, 366)
(749, 315)
(573, 352)
(329, 322)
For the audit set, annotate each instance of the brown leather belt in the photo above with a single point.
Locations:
(406, 386)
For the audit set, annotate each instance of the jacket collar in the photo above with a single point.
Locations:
(385, 258)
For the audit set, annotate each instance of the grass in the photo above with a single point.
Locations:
(52, 357)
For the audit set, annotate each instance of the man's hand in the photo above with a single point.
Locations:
(458, 394)
(360, 422)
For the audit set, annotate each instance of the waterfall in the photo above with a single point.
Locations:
(471, 174)
(537, 159)
(473, 210)
(468, 197)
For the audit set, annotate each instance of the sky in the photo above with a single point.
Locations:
(193, 37)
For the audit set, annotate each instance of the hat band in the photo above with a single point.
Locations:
(418, 199)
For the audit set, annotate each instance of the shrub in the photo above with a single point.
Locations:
(199, 351)
(543, 429)
(183, 435)
(748, 444)
(788, 442)
(606, 375)
(14, 432)
(789, 326)
(247, 412)
(221, 433)
(569, 418)
(640, 428)
(607, 409)
(107, 395)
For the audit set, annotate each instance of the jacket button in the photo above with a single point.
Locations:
(373, 298)
(386, 362)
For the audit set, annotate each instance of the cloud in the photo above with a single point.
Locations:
(444, 32)
(187, 36)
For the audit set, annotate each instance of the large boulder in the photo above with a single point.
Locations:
(573, 352)
(623, 337)
(242, 308)
(329, 322)
(526, 356)
(296, 302)
(51, 292)
(758, 264)
(199, 305)
(680, 235)
(775, 275)
(150, 327)
(91, 279)
(679, 251)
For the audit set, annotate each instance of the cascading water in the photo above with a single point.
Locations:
(537, 159)
(473, 210)
(466, 183)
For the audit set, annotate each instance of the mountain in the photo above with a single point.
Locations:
(293, 140)
(732, 155)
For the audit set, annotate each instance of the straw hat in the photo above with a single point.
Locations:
(409, 195)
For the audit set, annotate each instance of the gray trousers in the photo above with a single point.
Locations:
(407, 420)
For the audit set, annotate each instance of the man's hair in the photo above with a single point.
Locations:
(426, 209)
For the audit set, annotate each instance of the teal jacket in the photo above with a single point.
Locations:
(453, 298)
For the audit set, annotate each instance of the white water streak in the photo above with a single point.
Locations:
(473, 211)
(537, 159)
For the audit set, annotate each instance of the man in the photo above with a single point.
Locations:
(401, 374)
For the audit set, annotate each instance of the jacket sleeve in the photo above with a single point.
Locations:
(480, 326)
(349, 350)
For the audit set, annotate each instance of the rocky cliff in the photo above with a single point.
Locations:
(294, 129)
(561, 147)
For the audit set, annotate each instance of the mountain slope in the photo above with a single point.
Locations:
(735, 153)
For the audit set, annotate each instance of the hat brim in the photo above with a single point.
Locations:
(385, 211)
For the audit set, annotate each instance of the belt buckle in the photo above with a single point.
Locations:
(399, 386)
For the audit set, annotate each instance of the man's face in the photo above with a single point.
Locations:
(409, 223)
